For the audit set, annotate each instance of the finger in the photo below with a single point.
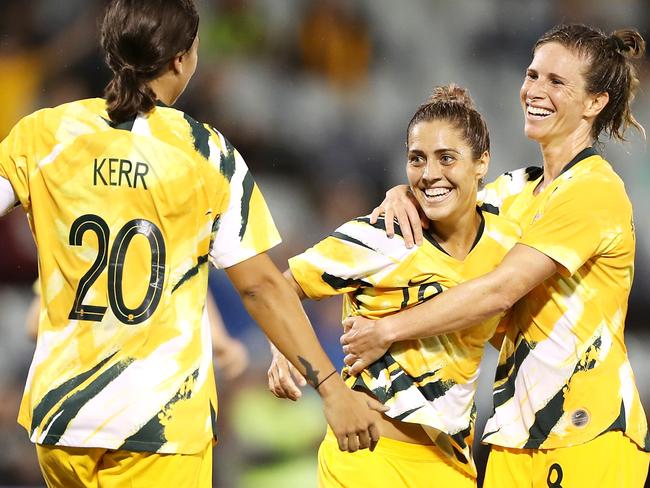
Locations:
(343, 442)
(274, 384)
(405, 226)
(374, 436)
(377, 405)
(357, 367)
(376, 213)
(284, 386)
(299, 378)
(353, 442)
(414, 224)
(289, 387)
(350, 359)
(364, 439)
(388, 219)
(348, 323)
(345, 338)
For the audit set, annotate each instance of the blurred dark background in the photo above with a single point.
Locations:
(316, 95)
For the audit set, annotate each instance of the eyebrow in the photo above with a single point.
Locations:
(550, 75)
(437, 151)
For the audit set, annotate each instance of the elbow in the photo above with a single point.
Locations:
(503, 304)
(259, 287)
(504, 300)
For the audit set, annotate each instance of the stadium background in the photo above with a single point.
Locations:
(316, 95)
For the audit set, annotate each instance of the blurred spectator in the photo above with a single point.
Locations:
(335, 42)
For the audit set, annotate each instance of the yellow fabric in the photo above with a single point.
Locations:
(564, 376)
(393, 464)
(610, 460)
(428, 381)
(126, 219)
(74, 467)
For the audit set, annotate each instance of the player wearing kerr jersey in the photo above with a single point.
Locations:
(428, 383)
(128, 199)
(125, 269)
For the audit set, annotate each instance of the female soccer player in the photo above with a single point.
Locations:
(428, 383)
(128, 199)
(566, 409)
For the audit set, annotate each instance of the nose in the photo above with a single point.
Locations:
(533, 90)
(432, 171)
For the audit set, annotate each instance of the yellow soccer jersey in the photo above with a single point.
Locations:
(125, 219)
(428, 381)
(564, 376)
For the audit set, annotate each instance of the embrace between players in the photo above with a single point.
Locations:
(537, 262)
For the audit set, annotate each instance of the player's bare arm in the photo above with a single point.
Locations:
(522, 269)
(272, 303)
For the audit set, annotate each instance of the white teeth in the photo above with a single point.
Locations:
(542, 112)
(436, 192)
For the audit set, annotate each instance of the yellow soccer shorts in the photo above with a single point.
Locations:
(393, 463)
(610, 460)
(75, 467)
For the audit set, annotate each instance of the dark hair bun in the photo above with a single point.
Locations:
(629, 43)
(452, 93)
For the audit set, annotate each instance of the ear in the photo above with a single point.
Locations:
(596, 103)
(176, 64)
(482, 164)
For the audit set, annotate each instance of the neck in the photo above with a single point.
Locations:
(457, 236)
(165, 90)
(557, 154)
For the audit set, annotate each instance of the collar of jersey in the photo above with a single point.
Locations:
(429, 238)
(581, 156)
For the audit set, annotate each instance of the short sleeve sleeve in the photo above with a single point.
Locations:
(16, 151)
(579, 221)
(244, 227)
(355, 255)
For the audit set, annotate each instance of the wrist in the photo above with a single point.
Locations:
(329, 384)
(387, 331)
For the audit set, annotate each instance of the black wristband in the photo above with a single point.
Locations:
(323, 380)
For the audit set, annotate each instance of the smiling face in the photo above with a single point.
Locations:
(553, 96)
(442, 172)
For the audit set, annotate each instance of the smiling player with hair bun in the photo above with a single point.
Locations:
(428, 383)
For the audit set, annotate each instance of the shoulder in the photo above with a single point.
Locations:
(509, 184)
(373, 237)
(206, 141)
(596, 184)
(501, 224)
(502, 230)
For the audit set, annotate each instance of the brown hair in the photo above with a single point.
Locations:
(139, 38)
(454, 104)
(610, 70)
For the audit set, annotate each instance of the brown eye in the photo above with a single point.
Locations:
(416, 160)
(447, 159)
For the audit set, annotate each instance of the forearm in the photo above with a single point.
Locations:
(473, 301)
(273, 304)
(457, 308)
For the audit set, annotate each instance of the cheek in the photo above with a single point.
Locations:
(413, 175)
(522, 92)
